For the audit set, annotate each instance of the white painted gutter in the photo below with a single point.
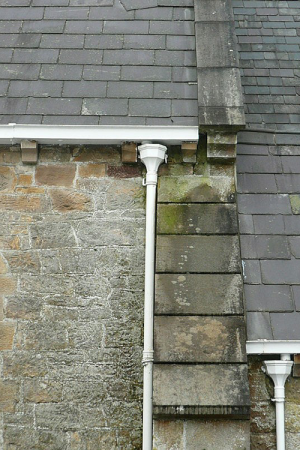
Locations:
(96, 134)
(264, 346)
(152, 155)
(279, 370)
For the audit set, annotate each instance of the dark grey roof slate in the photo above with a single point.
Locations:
(268, 34)
(269, 217)
(98, 62)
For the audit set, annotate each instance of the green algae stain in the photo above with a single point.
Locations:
(295, 203)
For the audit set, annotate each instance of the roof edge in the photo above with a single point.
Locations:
(265, 346)
(96, 134)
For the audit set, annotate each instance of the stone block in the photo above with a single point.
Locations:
(198, 294)
(201, 386)
(52, 235)
(168, 434)
(196, 189)
(219, 434)
(66, 200)
(42, 439)
(8, 395)
(98, 154)
(23, 261)
(42, 391)
(213, 11)
(199, 339)
(219, 87)
(92, 170)
(8, 179)
(24, 364)
(23, 203)
(209, 54)
(196, 219)
(7, 333)
(207, 254)
(55, 175)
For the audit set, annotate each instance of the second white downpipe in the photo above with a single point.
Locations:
(152, 155)
(279, 372)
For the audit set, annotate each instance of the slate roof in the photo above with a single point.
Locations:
(268, 167)
(269, 51)
(98, 62)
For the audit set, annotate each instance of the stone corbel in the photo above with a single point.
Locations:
(29, 151)
(129, 152)
(221, 146)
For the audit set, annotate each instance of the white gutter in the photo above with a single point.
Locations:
(96, 134)
(152, 155)
(279, 371)
(264, 346)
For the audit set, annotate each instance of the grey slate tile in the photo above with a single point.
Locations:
(259, 326)
(35, 56)
(175, 90)
(146, 73)
(181, 43)
(81, 56)
(126, 27)
(136, 41)
(84, 27)
(10, 27)
(268, 224)
(251, 271)
(264, 247)
(161, 13)
(70, 13)
(49, 2)
(182, 74)
(101, 73)
(4, 87)
(70, 120)
(291, 164)
(104, 107)
(295, 246)
(37, 88)
(264, 204)
(20, 71)
(268, 298)
(173, 57)
(6, 55)
(91, 2)
(23, 119)
(108, 13)
(183, 28)
(42, 26)
(184, 108)
(62, 41)
(183, 14)
(54, 106)
(84, 89)
(281, 272)
(296, 295)
(20, 40)
(128, 57)
(288, 183)
(256, 183)
(21, 13)
(103, 41)
(122, 120)
(61, 72)
(180, 121)
(139, 4)
(244, 149)
(11, 105)
(130, 89)
(286, 326)
(259, 164)
(246, 224)
(151, 108)
(292, 224)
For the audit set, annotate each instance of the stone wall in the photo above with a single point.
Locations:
(263, 431)
(72, 252)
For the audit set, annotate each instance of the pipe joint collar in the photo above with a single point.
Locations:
(148, 357)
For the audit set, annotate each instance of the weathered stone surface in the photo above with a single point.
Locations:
(200, 385)
(213, 10)
(219, 434)
(168, 434)
(68, 200)
(52, 235)
(20, 437)
(195, 189)
(198, 294)
(23, 203)
(197, 254)
(8, 179)
(23, 261)
(196, 219)
(97, 154)
(42, 391)
(55, 175)
(199, 339)
(92, 170)
(8, 395)
(7, 333)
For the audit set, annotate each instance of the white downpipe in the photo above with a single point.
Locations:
(152, 155)
(279, 371)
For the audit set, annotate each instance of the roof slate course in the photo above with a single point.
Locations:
(68, 59)
(268, 34)
(269, 218)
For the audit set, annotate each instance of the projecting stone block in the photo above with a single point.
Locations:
(219, 87)
(199, 339)
(201, 389)
(196, 219)
(213, 10)
(198, 294)
(207, 254)
(196, 189)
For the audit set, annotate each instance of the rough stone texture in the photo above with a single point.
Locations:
(268, 207)
(71, 277)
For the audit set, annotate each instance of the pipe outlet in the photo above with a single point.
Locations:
(152, 155)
